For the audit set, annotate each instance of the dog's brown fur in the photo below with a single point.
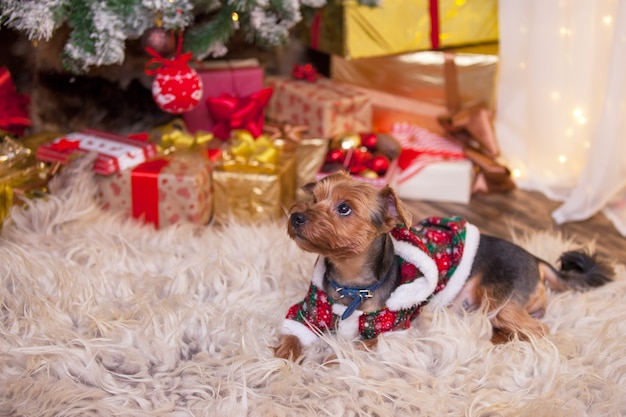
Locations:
(348, 223)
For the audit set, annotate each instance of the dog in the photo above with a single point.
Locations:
(376, 269)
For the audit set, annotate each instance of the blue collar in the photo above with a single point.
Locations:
(357, 294)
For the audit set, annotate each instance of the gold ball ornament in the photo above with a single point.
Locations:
(349, 140)
(368, 173)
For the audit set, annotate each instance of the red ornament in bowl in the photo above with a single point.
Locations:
(378, 164)
(369, 140)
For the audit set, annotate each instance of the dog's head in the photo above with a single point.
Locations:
(344, 216)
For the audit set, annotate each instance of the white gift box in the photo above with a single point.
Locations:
(443, 181)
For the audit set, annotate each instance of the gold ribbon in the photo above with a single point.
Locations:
(174, 137)
(285, 131)
(471, 127)
(248, 154)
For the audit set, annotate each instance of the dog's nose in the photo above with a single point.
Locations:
(298, 219)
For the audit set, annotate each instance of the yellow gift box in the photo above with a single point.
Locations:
(343, 27)
(255, 181)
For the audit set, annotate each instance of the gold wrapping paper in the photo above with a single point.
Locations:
(421, 76)
(25, 183)
(345, 28)
(253, 197)
(310, 156)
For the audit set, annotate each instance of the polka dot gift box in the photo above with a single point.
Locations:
(162, 191)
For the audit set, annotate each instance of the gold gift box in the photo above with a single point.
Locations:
(251, 197)
(420, 75)
(343, 27)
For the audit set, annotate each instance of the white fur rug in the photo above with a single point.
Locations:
(105, 317)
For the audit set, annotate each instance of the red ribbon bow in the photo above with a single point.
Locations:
(179, 61)
(246, 113)
(305, 72)
(13, 106)
(158, 63)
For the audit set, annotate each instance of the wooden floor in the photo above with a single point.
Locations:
(520, 211)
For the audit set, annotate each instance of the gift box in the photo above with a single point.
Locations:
(328, 108)
(163, 191)
(447, 181)
(250, 195)
(310, 152)
(351, 30)
(421, 75)
(236, 78)
(431, 167)
(114, 152)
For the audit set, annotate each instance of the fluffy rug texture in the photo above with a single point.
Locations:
(103, 316)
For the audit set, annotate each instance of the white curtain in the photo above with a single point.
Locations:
(561, 106)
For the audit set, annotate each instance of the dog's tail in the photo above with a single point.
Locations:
(579, 270)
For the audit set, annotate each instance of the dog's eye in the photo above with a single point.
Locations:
(344, 209)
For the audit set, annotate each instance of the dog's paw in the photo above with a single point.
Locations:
(289, 347)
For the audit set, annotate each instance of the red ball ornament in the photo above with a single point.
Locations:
(369, 140)
(360, 157)
(176, 88)
(378, 164)
(335, 156)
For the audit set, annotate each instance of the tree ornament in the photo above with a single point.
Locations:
(335, 156)
(161, 40)
(177, 88)
(349, 140)
(369, 140)
(378, 164)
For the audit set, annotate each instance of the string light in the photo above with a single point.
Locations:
(607, 20)
(234, 16)
(562, 159)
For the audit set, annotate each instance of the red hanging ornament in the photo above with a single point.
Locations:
(177, 88)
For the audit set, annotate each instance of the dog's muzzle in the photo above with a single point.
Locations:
(298, 219)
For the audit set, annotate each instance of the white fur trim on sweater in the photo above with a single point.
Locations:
(318, 272)
(350, 326)
(463, 270)
(306, 336)
(413, 293)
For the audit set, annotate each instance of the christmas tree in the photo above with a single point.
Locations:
(100, 28)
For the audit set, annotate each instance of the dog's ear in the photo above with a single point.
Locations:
(308, 188)
(396, 211)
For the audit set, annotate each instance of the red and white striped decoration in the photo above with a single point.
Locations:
(428, 146)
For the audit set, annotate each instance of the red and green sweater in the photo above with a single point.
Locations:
(435, 256)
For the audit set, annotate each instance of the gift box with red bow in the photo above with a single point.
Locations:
(328, 108)
(163, 191)
(114, 152)
(234, 81)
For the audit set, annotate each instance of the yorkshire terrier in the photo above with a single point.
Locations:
(376, 270)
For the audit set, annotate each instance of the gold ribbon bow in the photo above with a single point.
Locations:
(248, 154)
(471, 127)
(174, 137)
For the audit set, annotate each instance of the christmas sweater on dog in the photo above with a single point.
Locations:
(435, 256)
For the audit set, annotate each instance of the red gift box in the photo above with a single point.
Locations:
(115, 152)
(233, 80)
(163, 191)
